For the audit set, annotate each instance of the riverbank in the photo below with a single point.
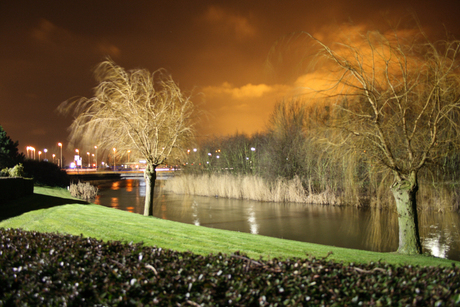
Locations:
(54, 210)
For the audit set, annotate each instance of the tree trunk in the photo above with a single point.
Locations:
(404, 192)
(150, 175)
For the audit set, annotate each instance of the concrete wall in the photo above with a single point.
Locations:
(12, 188)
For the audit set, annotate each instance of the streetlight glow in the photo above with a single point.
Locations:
(60, 161)
(114, 161)
(95, 147)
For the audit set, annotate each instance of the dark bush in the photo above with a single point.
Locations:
(46, 173)
(57, 270)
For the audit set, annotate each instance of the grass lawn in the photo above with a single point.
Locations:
(54, 210)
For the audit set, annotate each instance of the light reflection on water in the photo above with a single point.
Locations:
(366, 229)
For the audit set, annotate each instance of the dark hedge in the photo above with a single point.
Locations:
(63, 270)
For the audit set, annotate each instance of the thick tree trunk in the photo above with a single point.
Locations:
(150, 175)
(404, 192)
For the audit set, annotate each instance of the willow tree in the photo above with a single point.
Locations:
(396, 100)
(134, 110)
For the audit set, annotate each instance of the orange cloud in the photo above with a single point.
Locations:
(49, 33)
(223, 20)
(108, 49)
(244, 92)
(373, 54)
(245, 109)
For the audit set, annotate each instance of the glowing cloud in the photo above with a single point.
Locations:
(247, 107)
(224, 20)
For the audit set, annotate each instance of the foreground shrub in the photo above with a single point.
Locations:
(50, 269)
(16, 171)
(5, 172)
(83, 191)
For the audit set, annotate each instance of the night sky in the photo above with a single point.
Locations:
(217, 49)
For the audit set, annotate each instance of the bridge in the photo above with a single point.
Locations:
(92, 174)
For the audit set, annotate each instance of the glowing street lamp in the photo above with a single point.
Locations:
(53, 157)
(29, 151)
(60, 145)
(114, 162)
(45, 151)
(39, 154)
(78, 154)
(95, 147)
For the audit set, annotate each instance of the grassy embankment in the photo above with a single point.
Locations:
(54, 210)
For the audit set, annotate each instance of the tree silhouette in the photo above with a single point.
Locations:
(9, 154)
(396, 100)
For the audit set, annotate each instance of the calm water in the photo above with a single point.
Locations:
(375, 230)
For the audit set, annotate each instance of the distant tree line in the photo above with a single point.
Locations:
(289, 148)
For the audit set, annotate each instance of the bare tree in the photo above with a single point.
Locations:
(135, 110)
(395, 99)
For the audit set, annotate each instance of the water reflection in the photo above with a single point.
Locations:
(114, 202)
(366, 229)
(196, 219)
(254, 228)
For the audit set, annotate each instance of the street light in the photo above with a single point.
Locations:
(60, 145)
(114, 162)
(95, 147)
(53, 157)
(45, 151)
(29, 151)
(76, 162)
(39, 154)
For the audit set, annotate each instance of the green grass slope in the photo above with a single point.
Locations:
(54, 210)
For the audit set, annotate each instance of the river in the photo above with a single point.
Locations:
(367, 229)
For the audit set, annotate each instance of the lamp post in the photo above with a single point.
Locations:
(78, 154)
(45, 151)
(95, 147)
(53, 157)
(39, 154)
(60, 145)
(31, 149)
(89, 163)
(114, 163)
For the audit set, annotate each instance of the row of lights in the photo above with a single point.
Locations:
(31, 150)
(114, 155)
(217, 151)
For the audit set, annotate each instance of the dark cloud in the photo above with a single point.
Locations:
(49, 48)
